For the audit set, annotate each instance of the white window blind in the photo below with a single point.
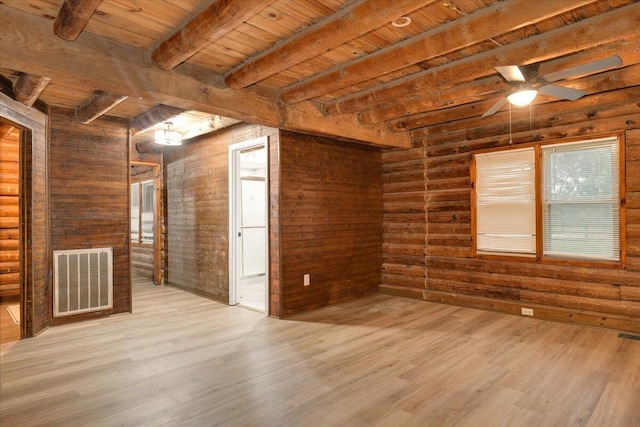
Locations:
(581, 199)
(505, 202)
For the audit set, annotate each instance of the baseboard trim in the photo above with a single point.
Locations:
(544, 312)
(399, 291)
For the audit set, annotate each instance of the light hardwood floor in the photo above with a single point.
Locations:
(9, 330)
(181, 360)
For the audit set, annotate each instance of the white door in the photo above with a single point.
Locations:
(248, 220)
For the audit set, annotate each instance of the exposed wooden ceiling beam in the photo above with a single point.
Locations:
(552, 108)
(499, 18)
(27, 43)
(348, 23)
(211, 24)
(6, 86)
(610, 104)
(618, 24)
(6, 129)
(627, 50)
(28, 88)
(214, 124)
(457, 95)
(156, 115)
(97, 105)
(74, 15)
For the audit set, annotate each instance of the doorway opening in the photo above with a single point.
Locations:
(11, 233)
(248, 224)
(146, 221)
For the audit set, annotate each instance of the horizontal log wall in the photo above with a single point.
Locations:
(9, 213)
(608, 297)
(142, 260)
(197, 211)
(330, 221)
(89, 195)
(403, 262)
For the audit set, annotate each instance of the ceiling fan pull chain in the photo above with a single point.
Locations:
(530, 128)
(510, 139)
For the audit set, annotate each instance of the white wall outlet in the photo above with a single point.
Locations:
(307, 280)
(527, 311)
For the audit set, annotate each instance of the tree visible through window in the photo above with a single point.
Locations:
(579, 202)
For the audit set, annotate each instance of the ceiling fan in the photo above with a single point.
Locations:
(524, 90)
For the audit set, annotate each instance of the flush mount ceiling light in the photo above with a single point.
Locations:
(167, 136)
(403, 21)
(522, 97)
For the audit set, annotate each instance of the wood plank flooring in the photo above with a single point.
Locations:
(181, 360)
(9, 330)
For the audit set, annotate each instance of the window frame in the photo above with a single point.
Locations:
(539, 256)
(141, 185)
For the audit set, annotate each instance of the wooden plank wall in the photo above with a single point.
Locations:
(35, 256)
(275, 266)
(608, 297)
(89, 195)
(9, 213)
(197, 211)
(330, 221)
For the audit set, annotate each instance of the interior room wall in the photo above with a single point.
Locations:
(197, 210)
(89, 195)
(330, 215)
(427, 222)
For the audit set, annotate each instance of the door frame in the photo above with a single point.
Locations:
(34, 244)
(234, 192)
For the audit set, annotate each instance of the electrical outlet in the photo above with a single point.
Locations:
(527, 311)
(307, 280)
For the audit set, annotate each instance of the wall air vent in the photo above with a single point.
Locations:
(83, 281)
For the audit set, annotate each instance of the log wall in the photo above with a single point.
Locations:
(89, 195)
(330, 215)
(404, 221)
(9, 213)
(608, 297)
(196, 178)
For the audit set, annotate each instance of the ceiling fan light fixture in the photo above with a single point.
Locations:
(167, 136)
(522, 97)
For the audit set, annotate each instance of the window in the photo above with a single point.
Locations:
(506, 202)
(581, 203)
(142, 212)
(572, 213)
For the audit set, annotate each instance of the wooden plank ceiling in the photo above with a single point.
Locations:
(326, 67)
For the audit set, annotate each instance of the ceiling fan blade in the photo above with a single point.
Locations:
(562, 92)
(511, 73)
(495, 107)
(584, 69)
